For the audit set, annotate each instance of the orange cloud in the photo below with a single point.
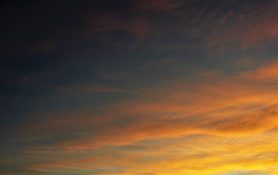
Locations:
(204, 155)
(201, 127)
(268, 72)
(230, 106)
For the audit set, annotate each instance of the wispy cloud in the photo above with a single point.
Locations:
(139, 90)
(227, 114)
(268, 72)
(249, 29)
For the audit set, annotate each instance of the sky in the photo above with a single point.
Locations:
(139, 87)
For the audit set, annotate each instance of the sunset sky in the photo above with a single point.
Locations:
(139, 87)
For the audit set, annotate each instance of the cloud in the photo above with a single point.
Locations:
(156, 5)
(93, 25)
(208, 155)
(206, 122)
(88, 88)
(224, 106)
(267, 118)
(228, 115)
(268, 72)
(140, 28)
(247, 30)
(247, 173)
(188, 127)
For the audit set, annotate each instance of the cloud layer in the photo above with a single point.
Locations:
(145, 87)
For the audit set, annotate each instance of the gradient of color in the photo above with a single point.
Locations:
(139, 87)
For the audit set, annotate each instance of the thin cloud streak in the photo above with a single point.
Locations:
(244, 110)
